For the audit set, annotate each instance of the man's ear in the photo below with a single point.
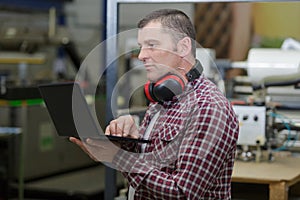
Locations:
(184, 47)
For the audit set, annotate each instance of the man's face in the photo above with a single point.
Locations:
(157, 51)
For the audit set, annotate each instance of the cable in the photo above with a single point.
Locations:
(278, 80)
(287, 125)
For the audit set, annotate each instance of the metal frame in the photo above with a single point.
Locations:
(112, 11)
(31, 5)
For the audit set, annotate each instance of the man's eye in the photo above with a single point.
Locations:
(151, 45)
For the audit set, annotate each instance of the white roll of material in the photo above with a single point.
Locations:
(272, 62)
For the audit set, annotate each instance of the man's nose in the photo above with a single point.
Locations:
(143, 54)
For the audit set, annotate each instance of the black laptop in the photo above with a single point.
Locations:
(71, 114)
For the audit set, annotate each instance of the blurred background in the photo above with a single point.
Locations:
(250, 50)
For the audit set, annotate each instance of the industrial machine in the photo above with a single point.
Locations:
(269, 114)
(34, 44)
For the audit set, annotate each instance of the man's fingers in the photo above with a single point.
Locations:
(123, 126)
(114, 128)
(80, 144)
(107, 130)
(134, 132)
(76, 141)
(96, 149)
(96, 143)
(102, 144)
(128, 124)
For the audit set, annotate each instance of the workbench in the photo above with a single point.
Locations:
(279, 174)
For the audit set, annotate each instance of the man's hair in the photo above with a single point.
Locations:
(176, 21)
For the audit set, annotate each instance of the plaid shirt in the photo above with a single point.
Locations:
(192, 149)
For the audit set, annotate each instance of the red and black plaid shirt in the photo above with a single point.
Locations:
(192, 149)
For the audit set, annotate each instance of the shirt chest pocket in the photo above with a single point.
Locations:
(167, 143)
(169, 132)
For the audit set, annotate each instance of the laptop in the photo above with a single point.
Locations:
(72, 116)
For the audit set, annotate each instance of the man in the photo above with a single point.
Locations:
(193, 133)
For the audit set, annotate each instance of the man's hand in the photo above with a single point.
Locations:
(123, 126)
(98, 150)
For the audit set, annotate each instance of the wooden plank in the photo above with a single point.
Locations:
(282, 169)
(278, 191)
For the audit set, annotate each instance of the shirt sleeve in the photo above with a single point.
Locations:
(188, 166)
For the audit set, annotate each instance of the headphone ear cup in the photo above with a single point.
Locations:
(148, 91)
(168, 87)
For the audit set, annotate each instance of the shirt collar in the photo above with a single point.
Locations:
(190, 87)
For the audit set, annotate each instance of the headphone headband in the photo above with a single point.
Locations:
(195, 72)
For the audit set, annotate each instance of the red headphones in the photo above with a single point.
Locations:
(170, 85)
(164, 89)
